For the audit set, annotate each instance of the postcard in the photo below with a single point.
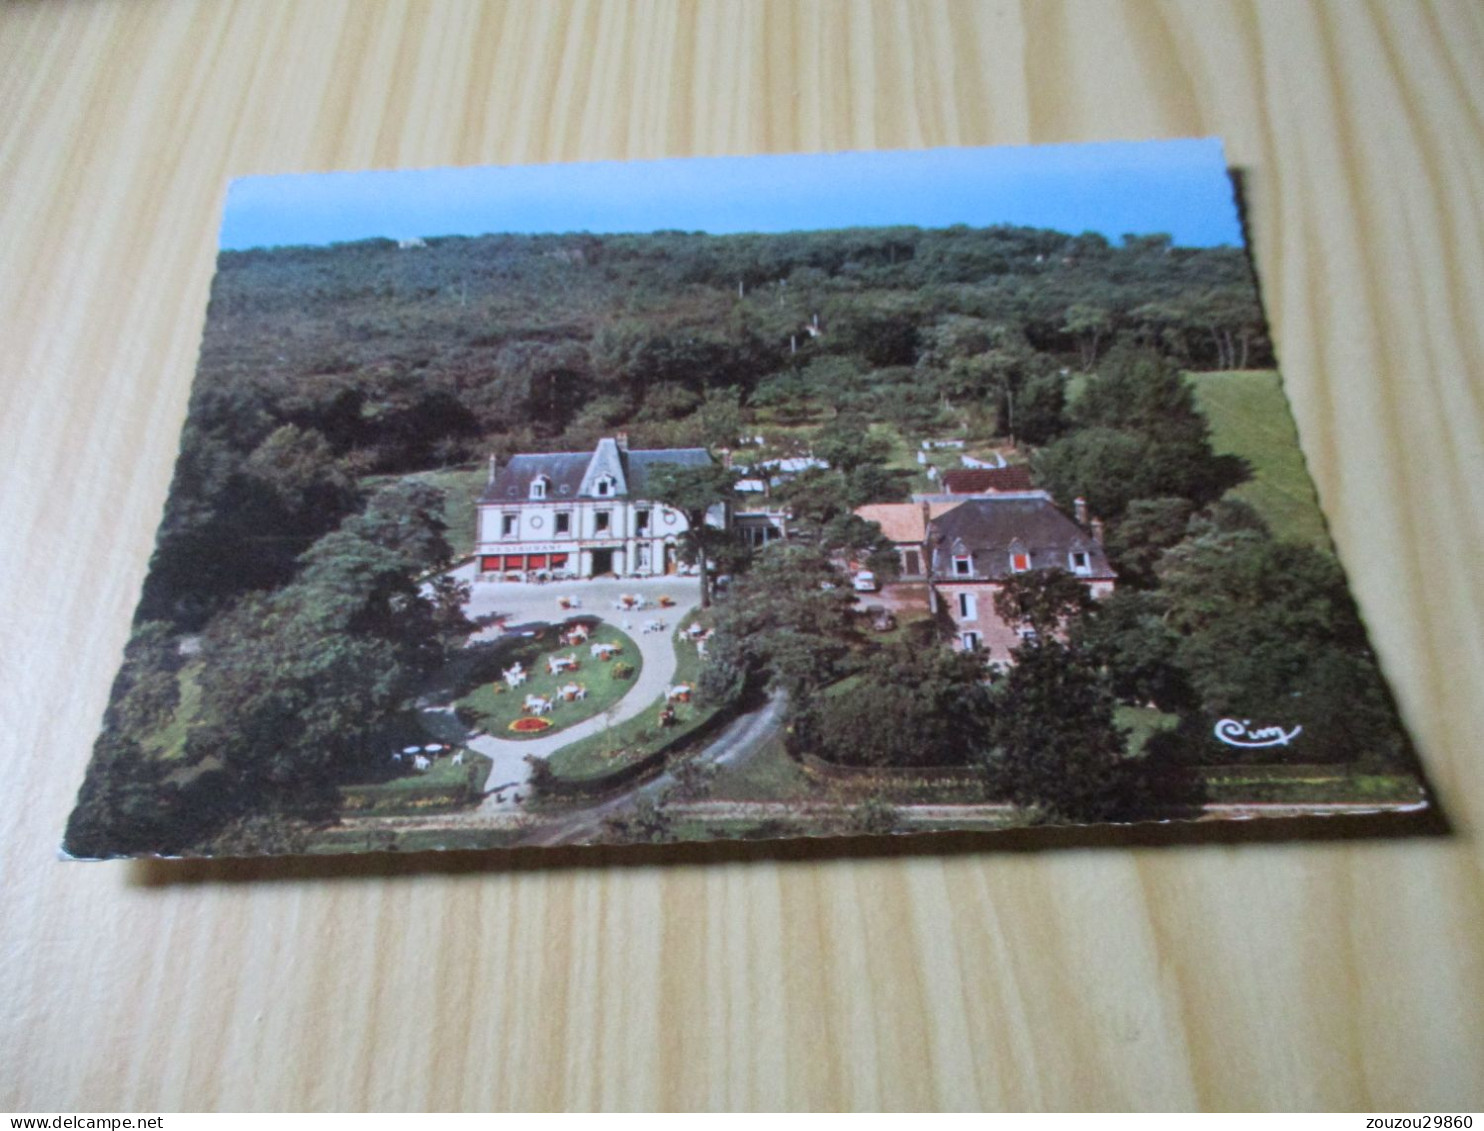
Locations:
(737, 498)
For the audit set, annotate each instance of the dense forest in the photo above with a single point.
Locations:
(330, 376)
(320, 365)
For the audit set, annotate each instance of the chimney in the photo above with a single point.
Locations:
(1097, 531)
(493, 467)
(622, 439)
(1079, 508)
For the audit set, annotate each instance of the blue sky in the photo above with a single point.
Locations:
(1179, 187)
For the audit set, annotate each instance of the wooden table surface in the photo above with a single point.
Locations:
(1299, 967)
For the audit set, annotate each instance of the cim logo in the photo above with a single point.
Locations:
(1241, 733)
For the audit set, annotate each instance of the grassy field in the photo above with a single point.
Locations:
(1142, 723)
(499, 708)
(1249, 418)
(769, 775)
(1299, 785)
(335, 841)
(445, 786)
(168, 742)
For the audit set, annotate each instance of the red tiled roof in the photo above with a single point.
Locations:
(899, 522)
(982, 481)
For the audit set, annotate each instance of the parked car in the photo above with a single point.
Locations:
(865, 582)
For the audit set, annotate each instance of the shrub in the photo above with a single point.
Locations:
(622, 670)
(542, 776)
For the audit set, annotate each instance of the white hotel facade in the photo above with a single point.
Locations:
(583, 514)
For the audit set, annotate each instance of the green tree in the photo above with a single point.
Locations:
(694, 491)
(296, 685)
(1127, 635)
(788, 620)
(1267, 630)
(147, 691)
(909, 705)
(124, 805)
(847, 444)
(1089, 324)
(1042, 600)
(1140, 391)
(1059, 753)
(1149, 528)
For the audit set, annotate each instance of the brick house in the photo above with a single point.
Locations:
(977, 544)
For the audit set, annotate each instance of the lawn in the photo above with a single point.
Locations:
(168, 742)
(338, 840)
(498, 706)
(1142, 723)
(1300, 785)
(641, 736)
(405, 790)
(1250, 418)
(769, 775)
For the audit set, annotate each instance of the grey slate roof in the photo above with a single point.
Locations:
(990, 530)
(513, 481)
(573, 474)
(639, 464)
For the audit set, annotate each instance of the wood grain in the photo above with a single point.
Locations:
(1088, 971)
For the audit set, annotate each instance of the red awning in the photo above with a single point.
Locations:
(558, 560)
(538, 561)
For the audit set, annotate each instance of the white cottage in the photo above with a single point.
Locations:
(582, 514)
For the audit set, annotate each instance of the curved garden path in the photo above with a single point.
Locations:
(525, 604)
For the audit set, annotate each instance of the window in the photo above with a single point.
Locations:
(963, 566)
(564, 522)
(969, 640)
(911, 563)
(641, 522)
(1027, 635)
(604, 486)
(1020, 561)
(601, 520)
(1080, 561)
(968, 606)
(507, 526)
(538, 487)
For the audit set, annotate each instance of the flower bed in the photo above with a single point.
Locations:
(529, 724)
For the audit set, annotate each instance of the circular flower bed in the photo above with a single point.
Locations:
(528, 724)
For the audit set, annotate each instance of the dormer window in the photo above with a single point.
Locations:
(1079, 562)
(604, 486)
(1020, 558)
(963, 565)
(539, 486)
